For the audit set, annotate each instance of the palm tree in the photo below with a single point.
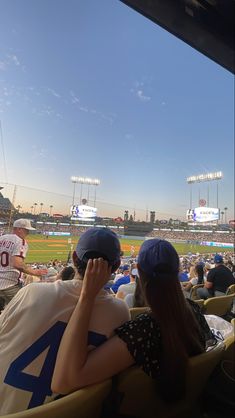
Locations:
(35, 204)
(31, 207)
(51, 207)
(225, 215)
(222, 216)
(18, 208)
(41, 205)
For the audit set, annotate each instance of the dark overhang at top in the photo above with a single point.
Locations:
(206, 25)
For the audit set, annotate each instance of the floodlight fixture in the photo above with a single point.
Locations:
(85, 180)
(218, 175)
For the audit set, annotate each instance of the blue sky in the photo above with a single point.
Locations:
(95, 89)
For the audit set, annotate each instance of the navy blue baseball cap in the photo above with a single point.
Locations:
(99, 240)
(126, 267)
(218, 259)
(158, 255)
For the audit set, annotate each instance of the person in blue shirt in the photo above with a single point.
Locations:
(183, 275)
(123, 280)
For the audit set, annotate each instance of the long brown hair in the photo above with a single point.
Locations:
(180, 334)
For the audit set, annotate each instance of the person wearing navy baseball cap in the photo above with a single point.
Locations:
(160, 341)
(51, 305)
(218, 280)
(95, 243)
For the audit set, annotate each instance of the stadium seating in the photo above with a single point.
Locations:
(219, 393)
(200, 302)
(193, 292)
(136, 311)
(220, 305)
(139, 396)
(84, 403)
(231, 289)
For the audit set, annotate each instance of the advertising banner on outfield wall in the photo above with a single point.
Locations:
(217, 244)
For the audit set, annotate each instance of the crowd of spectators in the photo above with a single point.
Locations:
(132, 282)
(193, 236)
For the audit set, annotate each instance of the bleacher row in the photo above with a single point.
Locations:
(133, 394)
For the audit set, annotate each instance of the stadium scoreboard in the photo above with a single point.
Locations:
(83, 212)
(203, 214)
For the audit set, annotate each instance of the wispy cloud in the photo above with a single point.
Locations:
(54, 93)
(74, 99)
(84, 108)
(140, 94)
(138, 91)
(41, 103)
(11, 60)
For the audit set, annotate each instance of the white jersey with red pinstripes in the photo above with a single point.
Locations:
(10, 245)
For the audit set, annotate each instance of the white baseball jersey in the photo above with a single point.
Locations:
(31, 327)
(10, 245)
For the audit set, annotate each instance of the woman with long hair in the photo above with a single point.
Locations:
(160, 341)
(197, 276)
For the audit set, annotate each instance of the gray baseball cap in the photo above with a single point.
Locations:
(23, 223)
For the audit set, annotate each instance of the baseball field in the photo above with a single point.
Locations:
(42, 249)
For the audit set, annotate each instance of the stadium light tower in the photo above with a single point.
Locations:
(84, 180)
(74, 181)
(218, 175)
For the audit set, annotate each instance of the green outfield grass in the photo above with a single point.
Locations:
(44, 250)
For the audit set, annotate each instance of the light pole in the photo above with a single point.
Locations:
(222, 216)
(225, 215)
(74, 181)
(35, 204)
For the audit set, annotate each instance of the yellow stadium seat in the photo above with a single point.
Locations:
(139, 394)
(84, 403)
(200, 302)
(136, 311)
(220, 305)
(193, 292)
(230, 289)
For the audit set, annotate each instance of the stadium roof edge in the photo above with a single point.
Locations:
(206, 25)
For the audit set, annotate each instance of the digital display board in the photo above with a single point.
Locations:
(203, 214)
(79, 212)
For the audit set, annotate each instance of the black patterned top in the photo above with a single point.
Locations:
(143, 339)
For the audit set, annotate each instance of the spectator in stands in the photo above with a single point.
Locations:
(127, 288)
(36, 319)
(118, 274)
(159, 342)
(207, 268)
(124, 279)
(198, 278)
(13, 250)
(67, 273)
(183, 274)
(218, 280)
(136, 299)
